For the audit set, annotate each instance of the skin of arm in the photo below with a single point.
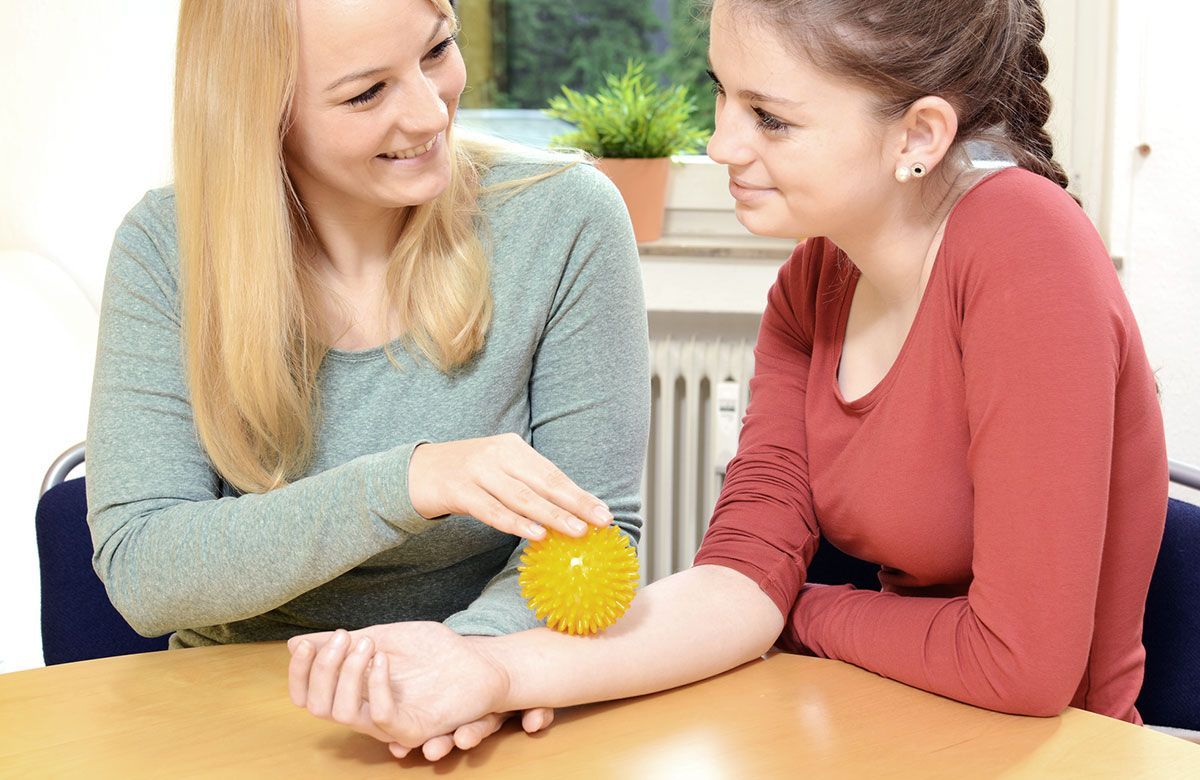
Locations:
(686, 627)
(410, 683)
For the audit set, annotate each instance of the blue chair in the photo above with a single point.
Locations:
(78, 621)
(1170, 697)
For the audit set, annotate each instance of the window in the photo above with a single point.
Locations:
(520, 53)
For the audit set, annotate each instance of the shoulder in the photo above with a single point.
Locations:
(559, 190)
(805, 290)
(146, 243)
(813, 275)
(1017, 230)
(1024, 216)
(1023, 257)
(150, 226)
(154, 213)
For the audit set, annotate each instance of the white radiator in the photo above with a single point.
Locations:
(699, 390)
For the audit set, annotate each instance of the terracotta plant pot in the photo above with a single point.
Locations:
(643, 185)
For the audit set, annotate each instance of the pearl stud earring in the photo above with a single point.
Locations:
(903, 173)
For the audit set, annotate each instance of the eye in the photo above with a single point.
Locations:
(770, 123)
(439, 51)
(367, 96)
(716, 83)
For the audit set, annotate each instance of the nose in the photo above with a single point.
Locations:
(421, 112)
(728, 145)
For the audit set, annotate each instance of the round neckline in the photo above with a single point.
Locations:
(865, 402)
(370, 353)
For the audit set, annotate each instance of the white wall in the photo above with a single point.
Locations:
(84, 131)
(1156, 201)
(87, 91)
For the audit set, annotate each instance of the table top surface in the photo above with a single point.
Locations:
(224, 712)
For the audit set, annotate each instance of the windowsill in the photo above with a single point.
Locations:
(724, 247)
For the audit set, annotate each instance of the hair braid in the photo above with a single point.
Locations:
(1030, 103)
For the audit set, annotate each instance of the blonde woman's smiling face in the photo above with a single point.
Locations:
(377, 87)
(805, 151)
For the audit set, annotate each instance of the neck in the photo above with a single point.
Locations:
(893, 252)
(353, 241)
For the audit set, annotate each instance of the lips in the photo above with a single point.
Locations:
(745, 193)
(747, 185)
(408, 154)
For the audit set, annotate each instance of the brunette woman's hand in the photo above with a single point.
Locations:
(410, 685)
(504, 482)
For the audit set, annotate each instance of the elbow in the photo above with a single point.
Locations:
(1037, 703)
(124, 597)
(1041, 692)
(142, 619)
(145, 625)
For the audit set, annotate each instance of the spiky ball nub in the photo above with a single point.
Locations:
(579, 585)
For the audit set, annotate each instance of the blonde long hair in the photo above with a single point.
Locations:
(252, 333)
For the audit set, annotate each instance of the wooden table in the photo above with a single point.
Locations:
(224, 712)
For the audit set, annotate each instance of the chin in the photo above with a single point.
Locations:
(761, 222)
(414, 198)
(424, 190)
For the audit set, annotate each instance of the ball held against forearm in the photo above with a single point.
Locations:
(579, 585)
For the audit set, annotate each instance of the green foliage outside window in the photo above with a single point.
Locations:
(545, 45)
(686, 61)
(539, 46)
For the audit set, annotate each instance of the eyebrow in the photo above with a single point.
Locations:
(757, 97)
(372, 72)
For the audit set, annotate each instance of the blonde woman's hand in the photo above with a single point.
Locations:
(471, 734)
(504, 482)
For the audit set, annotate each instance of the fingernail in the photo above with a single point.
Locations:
(536, 531)
(340, 638)
(363, 645)
(304, 647)
(578, 526)
(601, 514)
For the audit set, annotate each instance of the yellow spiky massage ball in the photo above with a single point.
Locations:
(579, 585)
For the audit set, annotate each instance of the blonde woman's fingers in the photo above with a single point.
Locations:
(323, 676)
(471, 734)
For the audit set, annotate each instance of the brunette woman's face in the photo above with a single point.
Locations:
(805, 151)
(377, 87)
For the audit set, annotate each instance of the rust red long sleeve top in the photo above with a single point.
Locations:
(1008, 473)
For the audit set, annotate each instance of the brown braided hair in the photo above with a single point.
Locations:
(1031, 102)
(982, 56)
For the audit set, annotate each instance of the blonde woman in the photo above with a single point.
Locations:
(948, 382)
(334, 279)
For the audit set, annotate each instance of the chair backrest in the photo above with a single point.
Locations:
(78, 621)
(1171, 629)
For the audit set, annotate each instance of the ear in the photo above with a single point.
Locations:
(926, 132)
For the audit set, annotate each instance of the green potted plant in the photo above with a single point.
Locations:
(633, 126)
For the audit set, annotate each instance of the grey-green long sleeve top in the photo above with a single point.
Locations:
(565, 366)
